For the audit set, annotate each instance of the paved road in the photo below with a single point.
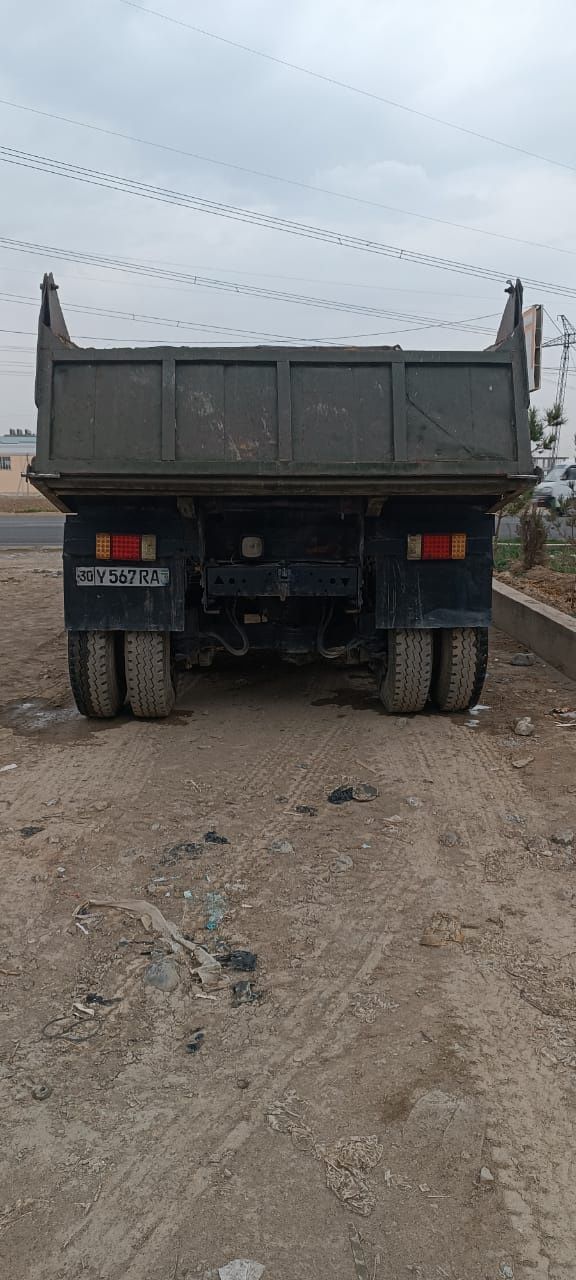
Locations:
(46, 531)
(31, 531)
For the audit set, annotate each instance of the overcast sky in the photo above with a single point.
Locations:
(501, 70)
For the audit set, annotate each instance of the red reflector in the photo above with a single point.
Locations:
(125, 546)
(435, 546)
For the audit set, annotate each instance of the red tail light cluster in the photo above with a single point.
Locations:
(436, 546)
(125, 546)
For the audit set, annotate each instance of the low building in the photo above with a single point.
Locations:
(17, 449)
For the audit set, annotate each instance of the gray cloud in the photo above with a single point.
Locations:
(501, 71)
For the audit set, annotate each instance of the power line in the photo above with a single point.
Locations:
(292, 182)
(350, 88)
(201, 204)
(129, 266)
(183, 325)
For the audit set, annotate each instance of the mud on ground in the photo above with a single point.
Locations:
(126, 1156)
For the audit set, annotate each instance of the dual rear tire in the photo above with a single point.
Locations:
(447, 667)
(107, 666)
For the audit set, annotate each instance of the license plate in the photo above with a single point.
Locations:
(122, 576)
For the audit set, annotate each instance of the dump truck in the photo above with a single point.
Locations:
(310, 501)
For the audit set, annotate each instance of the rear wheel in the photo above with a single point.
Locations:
(149, 675)
(405, 686)
(461, 661)
(96, 674)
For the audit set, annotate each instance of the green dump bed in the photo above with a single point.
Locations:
(257, 420)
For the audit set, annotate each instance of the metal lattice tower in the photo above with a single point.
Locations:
(566, 340)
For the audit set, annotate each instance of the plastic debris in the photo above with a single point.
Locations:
(242, 961)
(41, 1092)
(241, 1269)
(7, 768)
(212, 837)
(187, 849)
(196, 1041)
(342, 863)
(442, 930)
(94, 998)
(281, 846)
(243, 993)
(207, 967)
(524, 727)
(188, 895)
(161, 973)
(341, 795)
(30, 831)
(308, 809)
(216, 908)
(522, 660)
(358, 1254)
(346, 1163)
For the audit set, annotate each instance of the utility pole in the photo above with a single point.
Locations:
(566, 340)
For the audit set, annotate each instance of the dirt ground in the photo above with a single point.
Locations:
(545, 584)
(33, 503)
(372, 1073)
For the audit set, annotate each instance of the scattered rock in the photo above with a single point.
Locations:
(522, 660)
(506, 1271)
(241, 1269)
(342, 863)
(442, 930)
(486, 1177)
(187, 849)
(307, 809)
(212, 837)
(242, 1082)
(281, 846)
(449, 839)
(196, 1041)
(520, 762)
(41, 1092)
(30, 831)
(563, 838)
(364, 791)
(414, 802)
(161, 974)
(524, 727)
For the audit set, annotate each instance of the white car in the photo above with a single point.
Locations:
(559, 484)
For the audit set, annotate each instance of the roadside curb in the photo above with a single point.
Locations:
(547, 631)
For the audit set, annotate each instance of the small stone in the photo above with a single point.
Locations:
(563, 838)
(161, 974)
(281, 846)
(486, 1176)
(449, 839)
(342, 863)
(364, 791)
(522, 660)
(414, 802)
(243, 1082)
(41, 1092)
(524, 727)
(506, 1271)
